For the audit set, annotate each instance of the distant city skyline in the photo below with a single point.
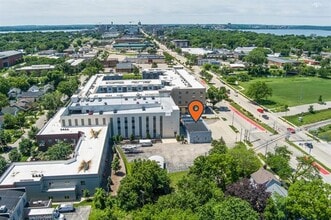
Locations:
(280, 12)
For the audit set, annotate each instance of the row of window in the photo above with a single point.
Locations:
(133, 126)
(96, 121)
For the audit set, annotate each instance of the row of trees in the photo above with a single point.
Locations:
(216, 187)
(200, 37)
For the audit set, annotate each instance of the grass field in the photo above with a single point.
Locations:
(294, 91)
(323, 133)
(175, 177)
(308, 118)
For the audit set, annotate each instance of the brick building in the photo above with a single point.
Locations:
(10, 58)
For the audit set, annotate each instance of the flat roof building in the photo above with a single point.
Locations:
(103, 107)
(10, 58)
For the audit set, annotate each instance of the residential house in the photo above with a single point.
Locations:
(14, 92)
(273, 185)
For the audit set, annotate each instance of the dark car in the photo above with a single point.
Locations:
(309, 145)
(265, 117)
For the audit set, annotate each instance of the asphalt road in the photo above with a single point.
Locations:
(264, 141)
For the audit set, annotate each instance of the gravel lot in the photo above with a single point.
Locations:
(177, 156)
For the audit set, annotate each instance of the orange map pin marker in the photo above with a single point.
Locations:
(195, 108)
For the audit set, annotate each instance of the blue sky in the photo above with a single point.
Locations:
(310, 12)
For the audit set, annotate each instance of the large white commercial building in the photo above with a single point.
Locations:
(103, 108)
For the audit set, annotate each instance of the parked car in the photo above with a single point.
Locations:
(65, 208)
(265, 117)
(291, 130)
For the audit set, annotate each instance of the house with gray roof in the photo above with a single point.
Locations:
(263, 176)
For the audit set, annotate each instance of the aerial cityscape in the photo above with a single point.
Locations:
(168, 110)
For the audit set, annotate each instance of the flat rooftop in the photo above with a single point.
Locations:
(126, 105)
(193, 126)
(87, 149)
(5, 54)
(175, 78)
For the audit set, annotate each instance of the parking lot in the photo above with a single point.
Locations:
(177, 156)
(81, 213)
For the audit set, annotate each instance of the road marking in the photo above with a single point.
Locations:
(321, 169)
(247, 119)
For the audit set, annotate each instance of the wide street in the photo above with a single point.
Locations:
(263, 141)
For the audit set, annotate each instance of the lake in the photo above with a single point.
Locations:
(305, 32)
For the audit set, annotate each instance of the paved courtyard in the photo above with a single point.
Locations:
(177, 156)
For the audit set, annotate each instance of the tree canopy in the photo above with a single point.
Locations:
(309, 200)
(59, 151)
(144, 185)
(259, 90)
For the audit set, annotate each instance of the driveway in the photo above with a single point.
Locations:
(81, 213)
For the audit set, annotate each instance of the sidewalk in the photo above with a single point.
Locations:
(304, 108)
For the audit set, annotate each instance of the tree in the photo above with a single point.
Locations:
(306, 169)
(86, 193)
(311, 109)
(257, 56)
(68, 87)
(99, 198)
(219, 168)
(3, 101)
(4, 85)
(218, 147)
(146, 184)
(279, 162)
(259, 90)
(14, 155)
(216, 95)
(246, 160)
(154, 65)
(59, 151)
(4, 138)
(309, 200)
(25, 146)
(3, 165)
(32, 132)
(115, 165)
(320, 99)
(256, 195)
(275, 208)
(51, 101)
(230, 209)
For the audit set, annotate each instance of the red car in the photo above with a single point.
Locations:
(260, 110)
(291, 130)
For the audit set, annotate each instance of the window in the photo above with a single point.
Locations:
(82, 121)
(66, 197)
(104, 121)
(76, 122)
(82, 183)
(96, 121)
(89, 121)
(63, 123)
(69, 121)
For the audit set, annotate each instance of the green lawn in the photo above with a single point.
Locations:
(323, 133)
(294, 91)
(175, 177)
(308, 118)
